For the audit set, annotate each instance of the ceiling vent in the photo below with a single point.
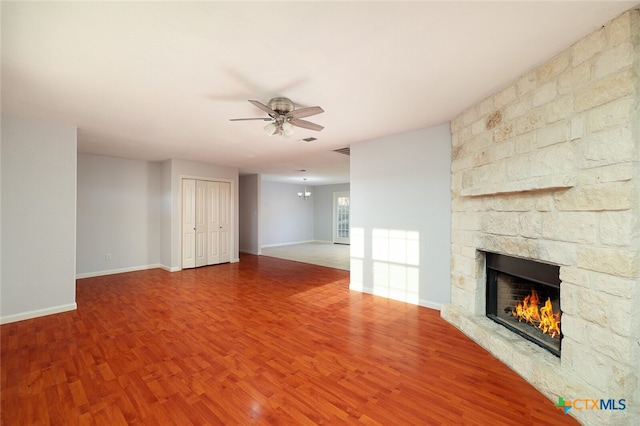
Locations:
(345, 151)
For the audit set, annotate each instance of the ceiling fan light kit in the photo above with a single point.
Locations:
(284, 116)
(287, 129)
(271, 129)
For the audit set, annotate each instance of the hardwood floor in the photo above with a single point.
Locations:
(263, 341)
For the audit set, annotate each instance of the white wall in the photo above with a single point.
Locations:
(323, 210)
(400, 216)
(180, 169)
(249, 204)
(285, 218)
(118, 213)
(38, 218)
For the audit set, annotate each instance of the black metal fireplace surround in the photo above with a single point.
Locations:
(509, 281)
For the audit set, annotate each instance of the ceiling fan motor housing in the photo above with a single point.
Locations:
(281, 105)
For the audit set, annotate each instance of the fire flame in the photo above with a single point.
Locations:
(541, 318)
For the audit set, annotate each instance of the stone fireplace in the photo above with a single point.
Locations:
(548, 170)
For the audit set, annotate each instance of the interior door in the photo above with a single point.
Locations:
(213, 223)
(341, 217)
(206, 222)
(201, 223)
(225, 222)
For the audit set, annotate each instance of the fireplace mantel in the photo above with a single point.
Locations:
(545, 183)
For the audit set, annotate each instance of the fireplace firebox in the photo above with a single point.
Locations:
(524, 296)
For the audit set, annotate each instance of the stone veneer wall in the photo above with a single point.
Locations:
(548, 169)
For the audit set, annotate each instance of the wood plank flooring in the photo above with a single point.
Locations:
(263, 341)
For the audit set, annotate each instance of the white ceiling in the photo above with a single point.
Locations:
(159, 80)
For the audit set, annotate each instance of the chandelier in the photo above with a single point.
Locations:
(306, 194)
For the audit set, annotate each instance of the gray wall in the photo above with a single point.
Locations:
(281, 217)
(400, 216)
(37, 263)
(165, 214)
(323, 210)
(249, 203)
(399, 189)
(132, 209)
(285, 218)
(119, 213)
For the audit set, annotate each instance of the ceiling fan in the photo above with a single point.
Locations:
(283, 116)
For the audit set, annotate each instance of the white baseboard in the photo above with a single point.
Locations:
(38, 313)
(429, 304)
(135, 268)
(170, 268)
(286, 244)
(250, 252)
(421, 302)
(121, 270)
